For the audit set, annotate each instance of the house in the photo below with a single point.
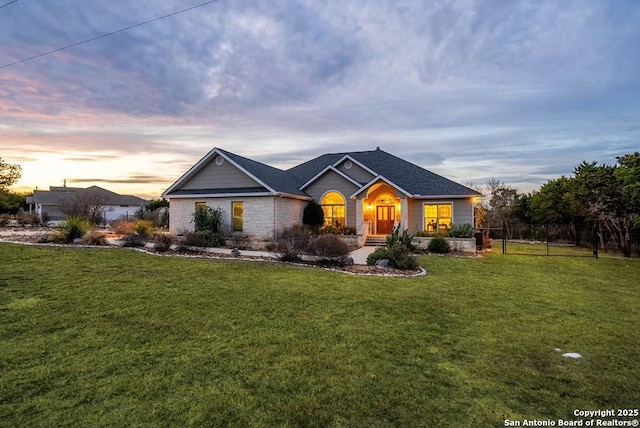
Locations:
(112, 206)
(368, 192)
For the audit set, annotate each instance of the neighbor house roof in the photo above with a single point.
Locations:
(58, 195)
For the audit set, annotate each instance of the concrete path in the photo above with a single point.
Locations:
(359, 255)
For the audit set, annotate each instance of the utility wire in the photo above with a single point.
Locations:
(104, 35)
(11, 2)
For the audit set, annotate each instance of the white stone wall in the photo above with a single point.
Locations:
(465, 245)
(180, 215)
(258, 216)
(289, 212)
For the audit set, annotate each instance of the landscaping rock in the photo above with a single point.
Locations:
(235, 252)
(345, 260)
(383, 263)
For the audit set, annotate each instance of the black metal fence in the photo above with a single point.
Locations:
(542, 239)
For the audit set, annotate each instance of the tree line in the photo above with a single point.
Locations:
(606, 197)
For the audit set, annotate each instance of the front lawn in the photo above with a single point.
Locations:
(113, 337)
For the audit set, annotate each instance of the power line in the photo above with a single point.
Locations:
(105, 35)
(11, 2)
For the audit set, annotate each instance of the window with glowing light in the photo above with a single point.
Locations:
(437, 217)
(237, 214)
(333, 207)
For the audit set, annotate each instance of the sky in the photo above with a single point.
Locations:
(518, 91)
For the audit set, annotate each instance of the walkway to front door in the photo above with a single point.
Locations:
(385, 218)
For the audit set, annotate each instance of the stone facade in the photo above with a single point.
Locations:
(464, 245)
(259, 214)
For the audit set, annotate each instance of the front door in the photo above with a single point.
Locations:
(385, 218)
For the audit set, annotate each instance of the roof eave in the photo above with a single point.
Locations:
(215, 195)
(445, 196)
(380, 178)
(195, 168)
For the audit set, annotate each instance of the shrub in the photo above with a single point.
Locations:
(461, 231)
(208, 219)
(4, 220)
(241, 242)
(94, 237)
(28, 219)
(133, 240)
(143, 228)
(162, 217)
(438, 245)
(73, 228)
(349, 231)
(405, 239)
(140, 213)
(327, 246)
(45, 219)
(204, 238)
(379, 254)
(121, 227)
(399, 257)
(162, 242)
(292, 243)
(313, 215)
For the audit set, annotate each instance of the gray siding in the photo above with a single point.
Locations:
(356, 172)
(332, 181)
(223, 176)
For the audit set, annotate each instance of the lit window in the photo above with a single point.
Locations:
(237, 211)
(437, 218)
(333, 206)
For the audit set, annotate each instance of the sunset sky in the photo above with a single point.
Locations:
(515, 90)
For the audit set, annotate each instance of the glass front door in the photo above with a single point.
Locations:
(385, 218)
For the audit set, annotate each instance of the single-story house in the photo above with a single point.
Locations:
(368, 192)
(113, 206)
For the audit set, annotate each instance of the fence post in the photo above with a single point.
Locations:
(504, 237)
(594, 240)
(546, 233)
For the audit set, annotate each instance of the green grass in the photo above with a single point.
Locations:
(113, 337)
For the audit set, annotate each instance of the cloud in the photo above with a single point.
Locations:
(471, 89)
(132, 179)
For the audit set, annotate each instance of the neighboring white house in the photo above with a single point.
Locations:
(50, 203)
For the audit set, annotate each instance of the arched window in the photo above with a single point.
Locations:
(333, 206)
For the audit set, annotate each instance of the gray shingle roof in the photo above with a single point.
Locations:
(410, 177)
(59, 195)
(275, 178)
(415, 180)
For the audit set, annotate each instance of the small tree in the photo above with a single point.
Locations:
(293, 243)
(9, 174)
(88, 204)
(313, 216)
